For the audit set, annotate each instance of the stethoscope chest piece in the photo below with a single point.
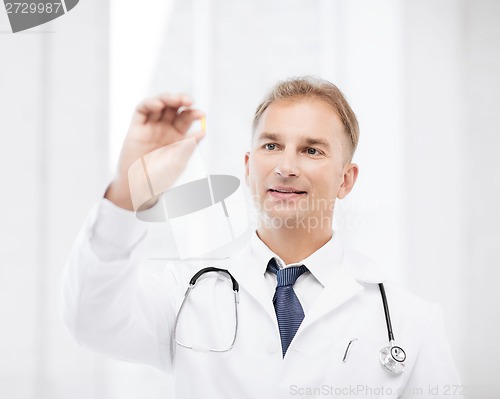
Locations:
(392, 357)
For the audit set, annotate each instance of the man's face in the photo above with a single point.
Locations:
(296, 167)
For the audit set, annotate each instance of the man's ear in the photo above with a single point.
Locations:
(247, 166)
(350, 175)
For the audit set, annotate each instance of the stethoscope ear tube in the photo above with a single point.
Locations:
(236, 286)
(192, 283)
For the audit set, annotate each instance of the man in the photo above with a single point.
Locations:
(310, 317)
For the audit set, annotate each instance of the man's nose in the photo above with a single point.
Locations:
(287, 165)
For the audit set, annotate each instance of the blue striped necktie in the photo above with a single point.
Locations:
(286, 304)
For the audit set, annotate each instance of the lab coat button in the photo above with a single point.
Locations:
(272, 348)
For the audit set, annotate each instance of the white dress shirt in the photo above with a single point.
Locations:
(310, 284)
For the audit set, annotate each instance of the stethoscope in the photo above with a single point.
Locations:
(391, 357)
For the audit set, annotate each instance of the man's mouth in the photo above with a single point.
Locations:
(286, 192)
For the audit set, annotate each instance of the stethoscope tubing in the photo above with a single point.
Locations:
(192, 283)
(386, 311)
(397, 354)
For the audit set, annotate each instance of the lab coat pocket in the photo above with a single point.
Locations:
(357, 353)
(361, 374)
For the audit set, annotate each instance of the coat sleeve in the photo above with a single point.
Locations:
(434, 374)
(108, 304)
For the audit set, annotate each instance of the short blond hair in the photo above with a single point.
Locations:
(308, 86)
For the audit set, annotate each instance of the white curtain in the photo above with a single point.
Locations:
(53, 162)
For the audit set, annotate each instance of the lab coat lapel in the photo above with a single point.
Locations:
(252, 280)
(341, 287)
(343, 284)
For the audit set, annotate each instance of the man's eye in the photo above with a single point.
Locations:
(270, 146)
(312, 151)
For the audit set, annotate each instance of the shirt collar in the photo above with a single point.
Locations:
(320, 263)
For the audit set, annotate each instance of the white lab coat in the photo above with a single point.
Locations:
(112, 308)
